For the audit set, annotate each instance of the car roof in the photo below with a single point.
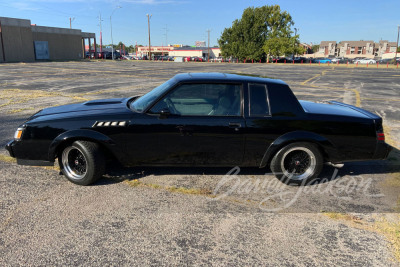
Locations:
(223, 77)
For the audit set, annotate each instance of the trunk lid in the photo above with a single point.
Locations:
(337, 108)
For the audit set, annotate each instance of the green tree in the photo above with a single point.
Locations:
(315, 48)
(248, 36)
(130, 49)
(283, 45)
(119, 45)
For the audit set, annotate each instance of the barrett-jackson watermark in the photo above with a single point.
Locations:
(283, 195)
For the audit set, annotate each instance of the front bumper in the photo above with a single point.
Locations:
(10, 147)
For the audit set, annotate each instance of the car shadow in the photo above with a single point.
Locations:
(117, 174)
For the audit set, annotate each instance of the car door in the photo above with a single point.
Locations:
(195, 124)
(261, 129)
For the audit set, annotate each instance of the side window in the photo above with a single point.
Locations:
(259, 103)
(202, 99)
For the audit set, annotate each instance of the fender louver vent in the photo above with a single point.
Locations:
(110, 124)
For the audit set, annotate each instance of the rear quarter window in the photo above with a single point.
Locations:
(259, 101)
(283, 102)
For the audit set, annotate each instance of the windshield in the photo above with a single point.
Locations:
(141, 103)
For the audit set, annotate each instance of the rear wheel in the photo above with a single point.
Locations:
(297, 163)
(82, 162)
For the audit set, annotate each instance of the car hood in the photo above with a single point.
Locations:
(336, 108)
(92, 105)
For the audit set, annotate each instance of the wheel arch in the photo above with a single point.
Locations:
(66, 138)
(326, 147)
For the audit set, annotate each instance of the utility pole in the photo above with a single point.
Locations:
(397, 45)
(208, 50)
(101, 36)
(148, 23)
(166, 38)
(112, 42)
(166, 34)
(70, 22)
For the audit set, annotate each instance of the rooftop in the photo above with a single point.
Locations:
(225, 77)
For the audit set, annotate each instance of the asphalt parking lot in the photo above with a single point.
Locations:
(193, 216)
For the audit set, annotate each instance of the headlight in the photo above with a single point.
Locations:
(18, 133)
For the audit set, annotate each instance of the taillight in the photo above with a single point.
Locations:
(380, 136)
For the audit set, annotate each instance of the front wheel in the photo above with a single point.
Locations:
(82, 162)
(297, 163)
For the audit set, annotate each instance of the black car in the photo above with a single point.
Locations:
(201, 119)
(283, 60)
(302, 60)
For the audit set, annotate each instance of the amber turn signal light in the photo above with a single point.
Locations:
(18, 133)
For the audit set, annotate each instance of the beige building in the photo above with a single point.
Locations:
(353, 49)
(384, 47)
(326, 49)
(180, 51)
(21, 41)
(196, 52)
(155, 50)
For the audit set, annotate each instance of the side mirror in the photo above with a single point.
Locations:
(164, 113)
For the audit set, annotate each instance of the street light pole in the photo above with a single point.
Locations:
(112, 42)
(148, 23)
(294, 45)
(101, 36)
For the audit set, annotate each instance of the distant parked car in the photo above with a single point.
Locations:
(385, 60)
(323, 60)
(283, 60)
(104, 55)
(302, 60)
(197, 59)
(365, 61)
(345, 60)
(218, 59)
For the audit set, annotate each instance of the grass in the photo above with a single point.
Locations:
(8, 159)
(343, 217)
(189, 191)
(173, 189)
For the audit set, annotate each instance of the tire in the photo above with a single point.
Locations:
(82, 162)
(297, 163)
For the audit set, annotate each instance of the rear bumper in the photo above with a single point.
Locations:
(382, 151)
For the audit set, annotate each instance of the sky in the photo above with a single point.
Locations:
(187, 21)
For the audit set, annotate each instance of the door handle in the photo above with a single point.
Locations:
(235, 125)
